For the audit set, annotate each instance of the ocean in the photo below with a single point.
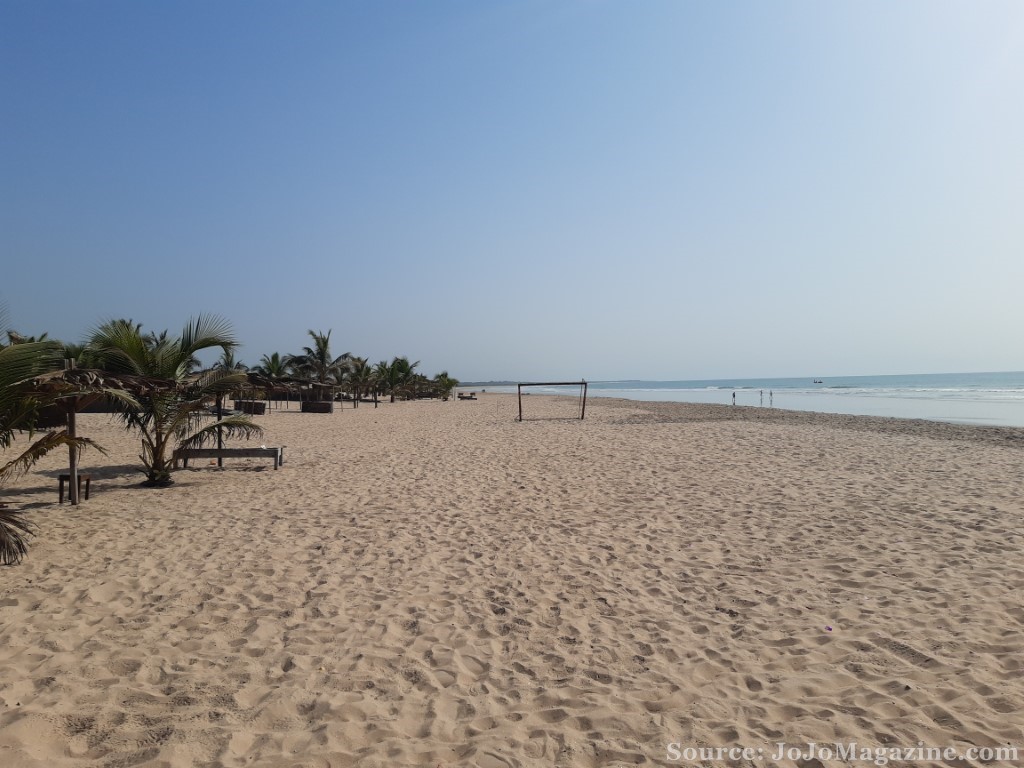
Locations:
(995, 399)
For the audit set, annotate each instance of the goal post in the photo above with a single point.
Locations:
(582, 384)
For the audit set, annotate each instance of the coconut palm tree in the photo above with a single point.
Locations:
(395, 377)
(406, 375)
(273, 367)
(360, 377)
(174, 417)
(385, 378)
(227, 362)
(272, 373)
(445, 384)
(19, 403)
(81, 354)
(316, 363)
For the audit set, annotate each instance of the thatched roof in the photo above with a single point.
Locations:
(282, 384)
(76, 389)
(93, 381)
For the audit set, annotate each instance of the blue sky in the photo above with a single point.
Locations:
(526, 190)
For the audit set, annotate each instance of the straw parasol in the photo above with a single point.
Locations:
(73, 389)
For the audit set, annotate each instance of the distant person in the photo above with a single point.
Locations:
(734, 398)
(762, 397)
(771, 397)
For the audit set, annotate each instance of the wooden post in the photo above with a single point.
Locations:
(220, 436)
(69, 365)
(520, 388)
(583, 409)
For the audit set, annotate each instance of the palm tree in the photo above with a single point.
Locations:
(361, 377)
(81, 354)
(445, 384)
(19, 363)
(385, 378)
(396, 376)
(174, 417)
(272, 373)
(273, 367)
(406, 375)
(316, 362)
(227, 361)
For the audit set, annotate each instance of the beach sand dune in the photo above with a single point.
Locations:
(435, 584)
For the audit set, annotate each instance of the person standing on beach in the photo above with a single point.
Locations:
(762, 397)
(734, 398)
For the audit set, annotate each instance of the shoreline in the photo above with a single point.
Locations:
(993, 399)
(678, 412)
(1012, 418)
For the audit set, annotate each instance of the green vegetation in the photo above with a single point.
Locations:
(173, 417)
(172, 395)
(396, 377)
(445, 385)
(22, 361)
(19, 362)
(273, 367)
(316, 364)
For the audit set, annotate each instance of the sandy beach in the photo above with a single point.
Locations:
(434, 584)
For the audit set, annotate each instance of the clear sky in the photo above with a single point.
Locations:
(526, 190)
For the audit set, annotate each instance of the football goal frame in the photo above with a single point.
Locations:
(582, 384)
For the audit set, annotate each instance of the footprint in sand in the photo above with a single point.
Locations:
(470, 665)
(444, 677)
(491, 760)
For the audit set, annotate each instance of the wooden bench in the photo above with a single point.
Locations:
(184, 454)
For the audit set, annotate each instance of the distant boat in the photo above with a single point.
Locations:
(818, 381)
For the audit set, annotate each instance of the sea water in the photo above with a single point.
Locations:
(995, 399)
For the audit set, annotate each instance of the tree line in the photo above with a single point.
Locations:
(156, 384)
(350, 374)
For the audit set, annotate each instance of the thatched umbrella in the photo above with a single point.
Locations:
(274, 385)
(75, 389)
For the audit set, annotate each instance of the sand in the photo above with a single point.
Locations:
(435, 584)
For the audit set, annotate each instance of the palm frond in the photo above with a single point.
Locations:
(20, 464)
(120, 347)
(207, 331)
(119, 397)
(14, 534)
(229, 427)
(18, 364)
(217, 381)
